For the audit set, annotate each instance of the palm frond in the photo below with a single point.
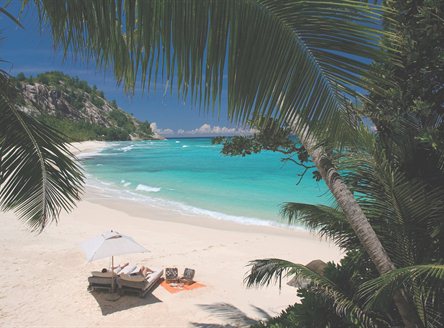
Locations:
(38, 175)
(286, 59)
(425, 282)
(323, 220)
(405, 212)
(10, 16)
(265, 271)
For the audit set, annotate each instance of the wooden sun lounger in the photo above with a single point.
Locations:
(138, 284)
(101, 281)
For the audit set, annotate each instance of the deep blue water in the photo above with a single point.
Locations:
(191, 175)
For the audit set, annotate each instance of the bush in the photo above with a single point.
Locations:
(81, 131)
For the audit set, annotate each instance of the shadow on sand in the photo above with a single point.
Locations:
(233, 316)
(111, 303)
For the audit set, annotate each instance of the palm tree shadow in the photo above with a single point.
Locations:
(232, 315)
(122, 303)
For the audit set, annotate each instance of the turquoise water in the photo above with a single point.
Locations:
(191, 175)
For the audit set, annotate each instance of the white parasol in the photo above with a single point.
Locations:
(110, 243)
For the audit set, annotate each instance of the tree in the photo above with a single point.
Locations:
(21, 76)
(302, 74)
(406, 215)
(408, 117)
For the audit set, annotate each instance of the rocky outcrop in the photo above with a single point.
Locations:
(57, 95)
(45, 99)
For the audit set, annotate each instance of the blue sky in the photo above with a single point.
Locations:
(30, 50)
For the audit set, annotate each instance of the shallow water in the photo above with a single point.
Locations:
(192, 176)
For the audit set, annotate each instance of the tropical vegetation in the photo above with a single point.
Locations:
(76, 103)
(303, 71)
(396, 175)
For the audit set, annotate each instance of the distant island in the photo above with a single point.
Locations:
(78, 110)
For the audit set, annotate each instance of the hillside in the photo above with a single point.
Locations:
(78, 110)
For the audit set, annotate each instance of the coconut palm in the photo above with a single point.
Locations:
(295, 60)
(406, 214)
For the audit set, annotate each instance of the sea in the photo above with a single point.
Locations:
(191, 175)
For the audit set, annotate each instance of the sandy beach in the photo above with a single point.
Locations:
(44, 276)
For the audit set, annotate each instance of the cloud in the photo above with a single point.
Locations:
(155, 129)
(204, 130)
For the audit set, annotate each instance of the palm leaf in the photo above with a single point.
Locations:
(294, 60)
(38, 175)
(405, 212)
(323, 220)
(10, 16)
(265, 271)
(429, 279)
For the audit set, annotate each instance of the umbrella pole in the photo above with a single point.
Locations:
(112, 275)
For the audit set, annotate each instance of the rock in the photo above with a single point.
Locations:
(69, 99)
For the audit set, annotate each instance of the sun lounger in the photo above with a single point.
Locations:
(171, 275)
(130, 268)
(137, 284)
(188, 276)
(101, 281)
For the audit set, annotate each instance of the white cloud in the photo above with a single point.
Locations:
(208, 130)
(155, 129)
(204, 130)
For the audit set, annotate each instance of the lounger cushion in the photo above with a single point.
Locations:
(100, 274)
(139, 282)
(136, 278)
(128, 269)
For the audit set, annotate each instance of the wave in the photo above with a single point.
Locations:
(185, 146)
(184, 209)
(125, 183)
(127, 148)
(141, 187)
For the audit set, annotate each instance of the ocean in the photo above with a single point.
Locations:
(192, 176)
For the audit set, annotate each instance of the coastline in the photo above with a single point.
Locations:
(51, 271)
(77, 148)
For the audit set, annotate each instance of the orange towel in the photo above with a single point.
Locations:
(176, 289)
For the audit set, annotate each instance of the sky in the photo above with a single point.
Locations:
(30, 50)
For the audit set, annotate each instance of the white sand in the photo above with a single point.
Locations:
(44, 277)
(86, 147)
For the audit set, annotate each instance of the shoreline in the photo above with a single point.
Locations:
(137, 208)
(50, 269)
(82, 147)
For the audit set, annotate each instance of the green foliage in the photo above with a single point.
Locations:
(312, 312)
(311, 52)
(410, 111)
(271, 137)
(315, 310)
(38, 175)
(145, 128)
(397, 177)
(122, 120)
(78, 92)
(114, 104)
(69, 85)
(97, 101)
(81, 131)
(333, 290)
(21, 76)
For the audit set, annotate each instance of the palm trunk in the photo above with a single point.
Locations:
(359, 223)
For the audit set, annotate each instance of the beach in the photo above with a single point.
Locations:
(44, 280)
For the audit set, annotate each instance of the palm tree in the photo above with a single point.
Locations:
(38, 174)
(297, 61)
(405, 213)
